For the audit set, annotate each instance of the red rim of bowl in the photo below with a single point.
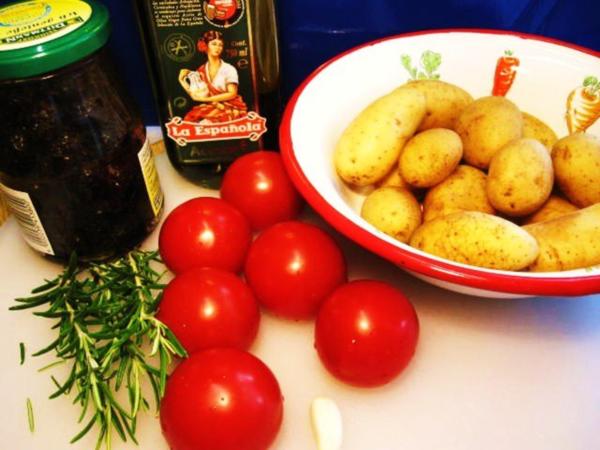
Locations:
(422, 264)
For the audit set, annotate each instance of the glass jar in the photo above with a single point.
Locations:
(75, 164)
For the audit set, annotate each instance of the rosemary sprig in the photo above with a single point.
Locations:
(105, 319)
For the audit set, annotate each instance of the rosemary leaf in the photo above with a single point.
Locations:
(45, 287)
(49, 314)
(84, 431)
(62, 388)
(114, 404)
(128, 428)
(34, 298)
(65, 351)
(114, 415)
(51, 365)
(96, 393)
(30, 418)
(164, 361)
(109, 426)
(55, 381)
(155, 389)
(29, 304)
(84, 406)
(123, 365)
(179, 350)
(156, 343)
(21, 353)
(72, 267)
(80, 397)
(48, 348)
(102, 432)
(151, 369)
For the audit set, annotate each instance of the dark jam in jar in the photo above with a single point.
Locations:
(75, 164)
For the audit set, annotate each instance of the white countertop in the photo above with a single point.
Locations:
(488, 374)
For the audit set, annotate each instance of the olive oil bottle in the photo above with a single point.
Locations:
(214, 66)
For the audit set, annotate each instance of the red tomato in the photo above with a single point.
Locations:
(258, 185)
(204, 231)
(366, 333)
(208, 308)
(292, 267)
(221, 399)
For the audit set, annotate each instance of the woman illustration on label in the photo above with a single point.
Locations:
(214, 84)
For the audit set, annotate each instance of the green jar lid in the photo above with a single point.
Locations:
(40, 36)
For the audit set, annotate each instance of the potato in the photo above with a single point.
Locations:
(445, 102)
(429, 157)
(393, 178)
(463, 190)
(395, 211)
(487, 125)
(479, 239)
(369, 147)
(536, 129)
(576, 160)
(571, 241)
(554, 207)
(520, 177)
(3, 208)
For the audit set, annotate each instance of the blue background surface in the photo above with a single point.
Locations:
(311, 31)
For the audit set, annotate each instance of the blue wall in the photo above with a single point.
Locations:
(314, 30)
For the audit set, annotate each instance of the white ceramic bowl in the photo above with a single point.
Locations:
(334, 94)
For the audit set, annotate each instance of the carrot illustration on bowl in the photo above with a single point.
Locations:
(506, 71)
(583, 105)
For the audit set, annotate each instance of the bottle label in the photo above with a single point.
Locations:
(151, 179)
(20, 204)
(208, 68)
(35, 22)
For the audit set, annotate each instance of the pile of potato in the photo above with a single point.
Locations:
(474, 181)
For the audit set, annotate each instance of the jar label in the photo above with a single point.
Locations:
(207, 57)
(36, 22)
(151, 179)
(20, 204)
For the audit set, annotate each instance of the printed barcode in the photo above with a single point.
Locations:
(22, 208)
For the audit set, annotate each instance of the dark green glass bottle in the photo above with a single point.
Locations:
(215, 71)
